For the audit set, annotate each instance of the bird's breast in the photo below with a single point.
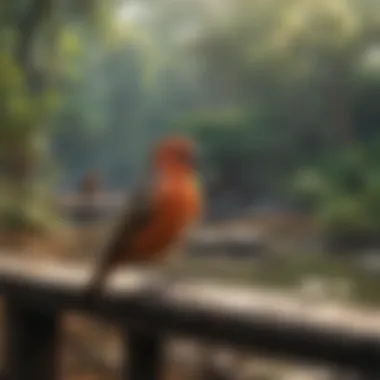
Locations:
(173, 213)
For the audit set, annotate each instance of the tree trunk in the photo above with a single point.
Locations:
(20, 160)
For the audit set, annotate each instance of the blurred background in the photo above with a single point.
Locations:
(281, 95)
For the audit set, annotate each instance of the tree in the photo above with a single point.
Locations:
(298, 57)
(30, 35)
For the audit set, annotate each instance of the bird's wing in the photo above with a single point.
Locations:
(136, 216)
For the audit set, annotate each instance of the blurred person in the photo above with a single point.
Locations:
(160, 212)
(90, 183)
(88, 190)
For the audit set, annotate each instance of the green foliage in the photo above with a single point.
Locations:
(34, 214)
(268, 88)
(310, 189)
(22, 111)
(344, 193)
(38, 59)
(21, 219)
(229, 146)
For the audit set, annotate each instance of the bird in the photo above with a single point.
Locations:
(160, 211)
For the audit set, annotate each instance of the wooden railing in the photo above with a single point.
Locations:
(37, 293)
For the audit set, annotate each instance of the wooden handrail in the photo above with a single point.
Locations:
(37, 292)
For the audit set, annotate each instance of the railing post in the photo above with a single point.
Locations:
(362, 375)
(145, 355)
(31, 344)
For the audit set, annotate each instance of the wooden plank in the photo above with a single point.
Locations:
(31, 343)
(272, 323)
(144, 357)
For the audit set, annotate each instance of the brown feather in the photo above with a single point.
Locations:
(135, 217)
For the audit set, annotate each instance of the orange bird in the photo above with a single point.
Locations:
(159, 213)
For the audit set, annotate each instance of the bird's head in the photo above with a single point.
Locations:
(176, 154)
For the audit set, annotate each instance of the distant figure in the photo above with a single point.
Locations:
(90, 184)
(159, 212)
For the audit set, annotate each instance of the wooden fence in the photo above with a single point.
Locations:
(37, 293)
